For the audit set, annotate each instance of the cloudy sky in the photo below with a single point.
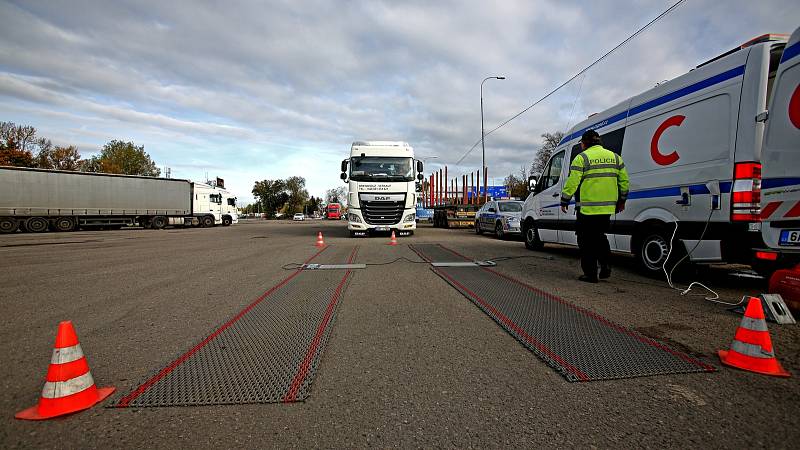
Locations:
(268, 89)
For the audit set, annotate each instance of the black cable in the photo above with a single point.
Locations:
(598, 60)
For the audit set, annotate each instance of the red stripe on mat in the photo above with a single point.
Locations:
(302, 371)
(125, 401)
(594, 315)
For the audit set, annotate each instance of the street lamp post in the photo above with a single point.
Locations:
(483, 147)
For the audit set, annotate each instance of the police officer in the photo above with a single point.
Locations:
(599, 181)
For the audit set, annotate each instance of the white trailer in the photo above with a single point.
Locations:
(382, 196)
(37, 200)
(693, 149)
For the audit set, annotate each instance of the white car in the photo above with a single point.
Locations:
(299, 216)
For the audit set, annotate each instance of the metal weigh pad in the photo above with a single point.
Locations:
(267, 353)
(580, 344)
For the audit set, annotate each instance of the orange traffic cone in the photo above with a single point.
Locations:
(393, 241)
(751, 348)
(69, 386)
(320, 241)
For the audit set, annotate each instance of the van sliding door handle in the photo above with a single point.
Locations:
(555, 194)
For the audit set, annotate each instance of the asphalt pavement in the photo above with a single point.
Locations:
(410, 362)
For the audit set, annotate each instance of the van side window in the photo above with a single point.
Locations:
(552, 172)
(611, 141)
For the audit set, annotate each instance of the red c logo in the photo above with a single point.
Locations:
(794, 107)
(658, 157)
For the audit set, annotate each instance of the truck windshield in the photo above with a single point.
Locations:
(373, 168)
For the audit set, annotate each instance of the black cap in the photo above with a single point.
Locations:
(590, 136)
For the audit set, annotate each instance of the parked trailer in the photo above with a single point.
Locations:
(36, 200)
(454, 216)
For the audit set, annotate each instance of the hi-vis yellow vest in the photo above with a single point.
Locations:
(603, 181)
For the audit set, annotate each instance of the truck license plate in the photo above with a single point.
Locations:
(381, 228)
(790, 237)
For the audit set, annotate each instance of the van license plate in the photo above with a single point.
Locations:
(790, 237)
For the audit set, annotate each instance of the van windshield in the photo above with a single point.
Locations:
(381, 168)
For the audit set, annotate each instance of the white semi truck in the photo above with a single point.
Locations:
(38, 200)
(382, 195)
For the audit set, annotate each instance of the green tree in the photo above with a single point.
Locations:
(314, 204)
(122, 157)
(551, 141)
(271, 195)
(298, 195)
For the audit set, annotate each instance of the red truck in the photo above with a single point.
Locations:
(333, 211)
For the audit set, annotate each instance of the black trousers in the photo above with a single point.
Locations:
(592, 242)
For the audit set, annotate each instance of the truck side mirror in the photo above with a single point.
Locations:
(419, 167)
(343, 176)
(420, 176)
(532, 183)
(344, 165)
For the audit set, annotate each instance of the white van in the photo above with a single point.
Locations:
(780, 188)
(692, 147)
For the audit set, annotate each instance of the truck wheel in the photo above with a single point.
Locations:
(8, 225)
(532, 241)
(36, 225)
(478, 228)
(158, 222)
(64, 224)
(226, 221)
(207, 222)
(498, 231)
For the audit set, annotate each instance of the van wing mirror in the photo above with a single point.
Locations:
(532, 182)
(344, 166)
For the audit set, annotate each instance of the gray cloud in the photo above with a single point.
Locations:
(256, 90)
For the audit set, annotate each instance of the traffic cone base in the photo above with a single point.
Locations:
(49, 408)
(69, 386)
(751, 348)
(766, 366)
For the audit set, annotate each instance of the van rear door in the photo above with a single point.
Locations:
(780, 190)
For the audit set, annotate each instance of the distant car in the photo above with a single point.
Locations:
(299, 216)
(501, 217)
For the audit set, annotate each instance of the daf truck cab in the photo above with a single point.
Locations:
(381, 177)
(217, 202)
(693, 148)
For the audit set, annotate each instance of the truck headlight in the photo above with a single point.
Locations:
(353, 218)
(410, 218)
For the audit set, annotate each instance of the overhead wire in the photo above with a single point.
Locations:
(582, 71)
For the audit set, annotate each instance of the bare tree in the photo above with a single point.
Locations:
(551, 141)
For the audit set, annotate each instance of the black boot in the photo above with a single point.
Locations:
(605, 272)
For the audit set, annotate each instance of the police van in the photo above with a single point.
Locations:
(693, 150)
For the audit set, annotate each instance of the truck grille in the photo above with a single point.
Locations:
(382, 212)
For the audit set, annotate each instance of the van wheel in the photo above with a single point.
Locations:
(478, 228)
(36, 225)
(652, 250)
(226, 221)
(532, 241)
(498, 231)
(158, 222)
(64, 224)
(207, 222)
(8, 225)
